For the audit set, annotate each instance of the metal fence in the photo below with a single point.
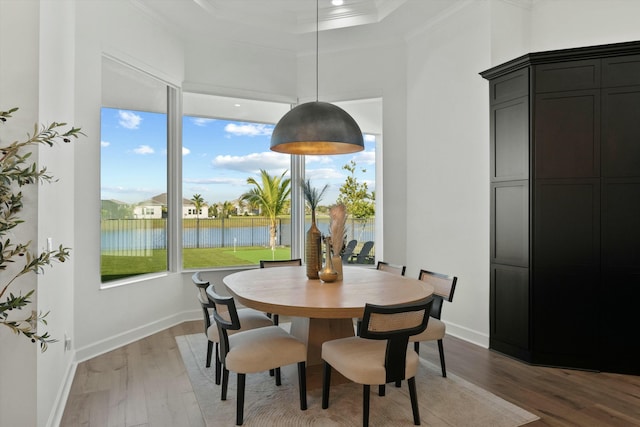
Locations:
(136, 235)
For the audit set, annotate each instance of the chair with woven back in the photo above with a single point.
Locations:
(279, 263)
(250, 319)
(380, 354)
(255, 350)
(389, 268)
(444, 286)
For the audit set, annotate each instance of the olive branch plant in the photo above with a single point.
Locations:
(16, 171)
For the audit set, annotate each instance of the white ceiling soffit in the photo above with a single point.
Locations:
(290, 24)
(299, 16)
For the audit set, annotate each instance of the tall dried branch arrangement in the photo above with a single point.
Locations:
(17, 171)
(338, 216)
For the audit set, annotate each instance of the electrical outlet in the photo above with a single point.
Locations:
(67, 342)
(49, 244)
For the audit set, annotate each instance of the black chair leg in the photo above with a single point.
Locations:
(366, 391)
(382, 390)
(218, 365)
(416, 347)
(278, 377)
(441, 350)
(209, 352)
(398, 384)
(414, 400)
(225, 383)
(302, 384)
(326, 383)
(275, 319)
(240, 399)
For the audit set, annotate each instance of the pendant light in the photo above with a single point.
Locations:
(317, 127)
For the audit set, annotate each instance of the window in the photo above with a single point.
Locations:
(225, 144)
(220, 152)
(133, 169)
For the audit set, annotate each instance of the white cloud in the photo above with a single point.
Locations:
(253, 162)
(365, 157)
(129, 119)
(201, 121)
(323, 174)
(369, 138)
(144, 149)
(185, 151)
(249, 129)
(215, 181)
(104, 143)
(319, 159)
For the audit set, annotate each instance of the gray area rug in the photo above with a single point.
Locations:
(449, 401)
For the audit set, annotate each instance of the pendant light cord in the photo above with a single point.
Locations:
(317, 47)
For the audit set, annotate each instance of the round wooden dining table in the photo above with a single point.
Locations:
(322, 311)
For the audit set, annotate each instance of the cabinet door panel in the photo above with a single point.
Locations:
(621, 132)
(569, 75)
(621, 71)
(510, 227)
(511, 86)
(620, 275)
(566, 272)
(510, 309)
(567, 135)
(510, 140)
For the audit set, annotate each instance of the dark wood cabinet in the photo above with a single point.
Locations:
(565, 207)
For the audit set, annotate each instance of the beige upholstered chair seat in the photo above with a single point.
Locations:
(435, 331)
(262, 349)
(364, 361)
(249, 319)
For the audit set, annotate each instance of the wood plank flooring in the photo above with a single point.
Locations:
(145, 384)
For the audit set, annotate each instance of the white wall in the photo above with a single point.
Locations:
(559, 24)
(19, 67)
(447, 212)
(56, 220)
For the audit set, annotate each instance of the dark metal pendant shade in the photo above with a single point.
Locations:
(317, 128)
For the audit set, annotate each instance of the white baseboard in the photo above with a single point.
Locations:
(470, 335)
(117, 341)
(63, 394)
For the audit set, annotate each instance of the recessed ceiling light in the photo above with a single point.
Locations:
(337, 2)
(236, 105)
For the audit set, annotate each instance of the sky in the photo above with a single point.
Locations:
(217, 155)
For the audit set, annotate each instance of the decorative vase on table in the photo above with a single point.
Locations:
(313, 249)
(336, 260)
(328, 273)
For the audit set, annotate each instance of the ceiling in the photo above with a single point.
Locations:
(291, 24)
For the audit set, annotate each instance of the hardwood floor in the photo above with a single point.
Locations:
(145, 384)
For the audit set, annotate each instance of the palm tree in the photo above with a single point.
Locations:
(271, 196)
(198, 202)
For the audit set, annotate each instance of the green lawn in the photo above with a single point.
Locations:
(115, 267)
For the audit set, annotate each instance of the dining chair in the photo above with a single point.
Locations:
(391, 268)
(279, 263)
(380, 353)
(249, 318)
(255, 350)
(444, 286)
